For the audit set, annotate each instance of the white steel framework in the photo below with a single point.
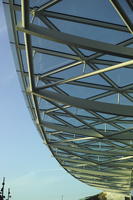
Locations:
(75, 61)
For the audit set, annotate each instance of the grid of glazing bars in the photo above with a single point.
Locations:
(76, 71)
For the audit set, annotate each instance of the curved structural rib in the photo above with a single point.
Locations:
(76, 68)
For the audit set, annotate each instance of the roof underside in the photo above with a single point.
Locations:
(75, 63)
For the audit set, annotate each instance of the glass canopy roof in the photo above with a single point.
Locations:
(74, 60)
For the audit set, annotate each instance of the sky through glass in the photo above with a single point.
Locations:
(30, 170)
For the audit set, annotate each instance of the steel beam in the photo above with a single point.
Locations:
(115, 109)
(78, 83)
(99, 71)
(77, 41)
(53, 52)
(122, 14)
(82, 20)
(47, 5)
(72, 130)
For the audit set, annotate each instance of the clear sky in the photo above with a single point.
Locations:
(30, 170)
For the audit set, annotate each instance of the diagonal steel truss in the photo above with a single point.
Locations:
(82, 108)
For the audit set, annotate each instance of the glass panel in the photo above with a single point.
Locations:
(91, 32)
(33, 3)
(119, 76)
(47, 44)
(9, 22)
(81, 92)
(103, 10)
(44, 63)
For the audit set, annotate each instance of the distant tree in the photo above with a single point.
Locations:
(2, 191)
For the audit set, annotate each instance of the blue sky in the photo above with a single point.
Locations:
(27, 164)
